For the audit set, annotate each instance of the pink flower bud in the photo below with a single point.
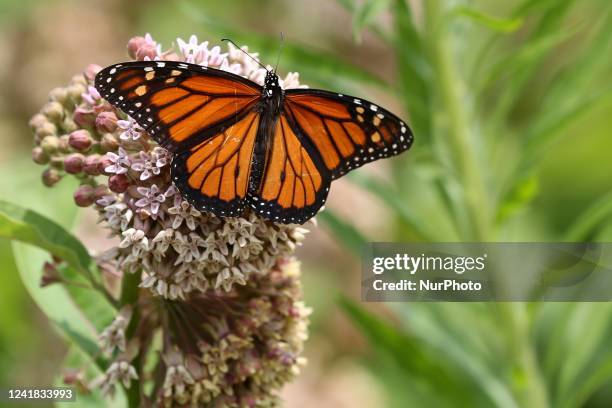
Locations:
(73, 164)
(103, 163)
(91, 71)
(80, 140)
(134, 44)
(84, 196)
(106, 122)
(118, 183)
(83, 117)
(100, 191)
(146, 50)
(91, 165)
(39, 156)
(50, 177)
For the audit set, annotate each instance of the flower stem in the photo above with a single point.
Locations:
(129, 296)
(451, 98)
(527, 383)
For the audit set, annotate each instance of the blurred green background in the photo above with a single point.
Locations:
(510, 104)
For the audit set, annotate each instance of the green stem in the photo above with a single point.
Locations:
(528, 385)
(452, 100)
(129, 296)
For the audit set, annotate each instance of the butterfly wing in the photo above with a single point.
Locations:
(178, 104)
(214, 174)
(294, 183)
(347, 132)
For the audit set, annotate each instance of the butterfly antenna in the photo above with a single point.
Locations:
(249, 55)
(280, 49)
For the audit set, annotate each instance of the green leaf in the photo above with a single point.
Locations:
(413, 358)
(56, 303)
(588, 224)
(366, 14)
(503, 25)
(17, 223)
(346, 233)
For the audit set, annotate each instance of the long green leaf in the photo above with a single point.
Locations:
(56, 303)
(586, 226)
(503, 25)
(17, 223)
(412, 357)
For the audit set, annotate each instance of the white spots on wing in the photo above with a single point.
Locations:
(357, 101)
(112, 71)
(374, 107)
(112, 90)
(161, 64)
(380, 115)
(108, 79)
(403, 129)
(138, 104)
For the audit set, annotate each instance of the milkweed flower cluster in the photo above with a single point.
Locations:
(226, 290)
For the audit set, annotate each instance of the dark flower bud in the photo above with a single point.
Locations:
(50, 177)
(49, 275)
(73, 164)
(109, 142)
(91, 165)
(80, 140)
(83, 117)
(100, 191)
(84, 196)
(106, 122)
(39, 156)
(118, 183)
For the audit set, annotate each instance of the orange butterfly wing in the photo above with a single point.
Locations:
(347, 132)
(214, 175)
(178, 104)
(294, 183)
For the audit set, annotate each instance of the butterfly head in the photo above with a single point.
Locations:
(271, 85)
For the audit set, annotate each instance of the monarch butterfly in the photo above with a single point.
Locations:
(237, 144)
